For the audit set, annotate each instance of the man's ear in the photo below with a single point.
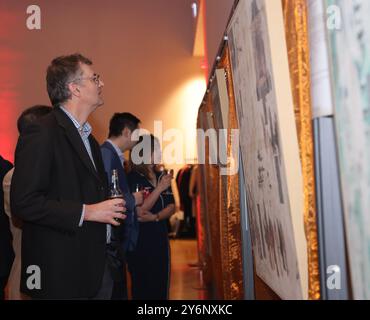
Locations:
(74, 89)
(126, 132)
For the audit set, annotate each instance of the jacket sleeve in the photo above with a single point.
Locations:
(32, 180)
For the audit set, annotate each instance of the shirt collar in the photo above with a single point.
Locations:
(118, 150)
(84, 130)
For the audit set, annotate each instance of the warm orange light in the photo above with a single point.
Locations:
(179, 113)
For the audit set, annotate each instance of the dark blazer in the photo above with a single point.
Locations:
(53, 178)
(130, 228)
(6, 248)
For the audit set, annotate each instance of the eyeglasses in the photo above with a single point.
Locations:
(95, 78)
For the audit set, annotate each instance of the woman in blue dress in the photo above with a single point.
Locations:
(149, 263)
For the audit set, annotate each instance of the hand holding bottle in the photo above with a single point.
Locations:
(108, 211)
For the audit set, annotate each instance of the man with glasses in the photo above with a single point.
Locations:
(59, 190)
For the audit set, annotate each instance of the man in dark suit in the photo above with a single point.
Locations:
(59, 190)
(121, 127)
(6, 248)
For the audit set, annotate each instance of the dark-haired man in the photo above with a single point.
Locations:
(27, 117)
(121, 127)
(59, 190)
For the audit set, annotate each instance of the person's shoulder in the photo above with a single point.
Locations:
(106, 151)
(105, 146)
(48, 121)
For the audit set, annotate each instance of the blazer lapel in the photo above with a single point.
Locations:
(96, 153)
(75, 140)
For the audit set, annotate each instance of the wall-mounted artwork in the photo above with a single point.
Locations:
(269, 146)
(350, 54)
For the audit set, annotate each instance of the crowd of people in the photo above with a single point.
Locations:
(67, 238)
